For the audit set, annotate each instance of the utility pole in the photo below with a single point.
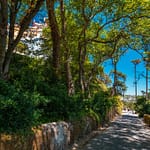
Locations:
(147, 84)
(147, 66)
(135, 62)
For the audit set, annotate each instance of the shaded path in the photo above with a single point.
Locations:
(126, 133)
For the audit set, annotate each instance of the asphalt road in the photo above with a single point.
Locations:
(128, 132)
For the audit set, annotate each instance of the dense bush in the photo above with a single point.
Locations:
(53, 103)
(21, 110)
(31, 97)
(17, 110)
(27, 73)
(60, 106)
(117, 104)
(103, 103)
(142, 106)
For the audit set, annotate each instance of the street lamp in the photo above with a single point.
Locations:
(135, 62)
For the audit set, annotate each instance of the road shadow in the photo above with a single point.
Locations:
(126, 133)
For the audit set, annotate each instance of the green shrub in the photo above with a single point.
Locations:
(27, 73)
(142, 106)
(104, 103)
(147, 107)
(101, 104)
(35, 77)
(60, 106)
(17, 110)
(117, 104)
(95, 116)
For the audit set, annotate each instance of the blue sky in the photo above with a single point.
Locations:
(126, 67)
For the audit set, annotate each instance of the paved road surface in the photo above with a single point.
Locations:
(126, 133)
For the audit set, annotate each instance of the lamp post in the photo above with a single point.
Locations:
(135, 62)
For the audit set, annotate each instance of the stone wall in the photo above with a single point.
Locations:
(53, 136)
(50, 136)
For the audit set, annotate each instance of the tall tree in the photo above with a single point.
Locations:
(119, 47)
(95, 16)
(139, 34)
(3, 32)
(67, 57)
(55, 34)
(10, 10)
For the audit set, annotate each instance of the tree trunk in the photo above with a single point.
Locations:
(55, 38)
(82, 57)
(3, 32)
(81, 68)
(70, 84)
(115, 78)
(69, 80)
(82, 47)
